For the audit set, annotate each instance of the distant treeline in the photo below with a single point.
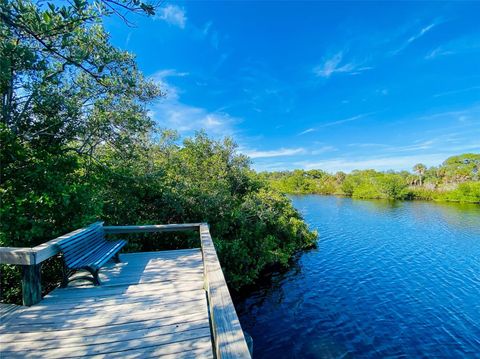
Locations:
(457, 179)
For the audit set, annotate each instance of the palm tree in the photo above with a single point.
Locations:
(420, 169)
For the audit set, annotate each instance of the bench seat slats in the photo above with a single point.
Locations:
(88, 249)
(86, 240)
(85, 254)
(98, 258)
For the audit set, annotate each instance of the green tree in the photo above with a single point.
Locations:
(420, 169)
(78, 145)
(59, 81)
(465, 167)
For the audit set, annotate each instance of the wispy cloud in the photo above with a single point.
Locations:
(458, 46)
(128, 38)
(420, 33)
(439, 51)
(186, 119)
(160, 77)
(367, 145)
(281, 152)
(335, 65)
(307, 131)
(206, 28)
(169, 73)
(416, 146)
(173, 15)
(471, 113)
(335, 123)
(378, 163)
(455, 92)
(349, 119)
(171, 112)
(322, 150)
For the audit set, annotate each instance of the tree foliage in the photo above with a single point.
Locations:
(456, 180)
(78, 146)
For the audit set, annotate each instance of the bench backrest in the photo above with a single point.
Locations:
(82, 242)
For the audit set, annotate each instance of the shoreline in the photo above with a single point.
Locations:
(381, 199)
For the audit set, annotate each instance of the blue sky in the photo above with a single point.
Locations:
(327, 85)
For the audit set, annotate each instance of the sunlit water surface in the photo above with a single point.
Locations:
(388, 279)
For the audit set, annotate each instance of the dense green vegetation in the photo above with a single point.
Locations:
(457, 179)
(78, 146)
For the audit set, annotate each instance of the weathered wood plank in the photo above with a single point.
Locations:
(8, 311)
(163, 254)
(106, 302)
(77, 341)
(15, 255)
(82, 292)
(176, 350)
(185, 341)
(152, 304)
(51, 248)
(106, 330)
(110, 319)
(105, 345)
(151, 228)
(150, 270)
(31, 284)
(38, 254)
(228, 336)
(27, 318)
(147, 280)
(117, 297)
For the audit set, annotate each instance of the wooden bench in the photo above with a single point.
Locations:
(88, 250)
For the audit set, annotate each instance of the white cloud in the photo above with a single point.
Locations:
(307, 131)
(455, 92)
(334, 65)
(366, 145)
(161, 74)
(274, 153)
(422, 32)
(323, 149)
(378, 163)
(127, 39)
(438, 52)
(160, 77)
(462, 45)
(334, 123)
(415, 37)
(206, 28)
(350, 119)
(171, 112)
(186, 119)
(173, 15)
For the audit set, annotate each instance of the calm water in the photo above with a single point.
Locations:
(389, 279)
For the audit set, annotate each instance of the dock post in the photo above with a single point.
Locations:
(31, 284)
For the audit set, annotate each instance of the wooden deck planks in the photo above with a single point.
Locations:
(152, 304)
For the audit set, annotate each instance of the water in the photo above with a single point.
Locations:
(388, 279)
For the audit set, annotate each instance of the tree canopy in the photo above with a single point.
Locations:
(78, 145)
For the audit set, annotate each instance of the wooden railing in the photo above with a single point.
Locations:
(228, 336)
(229, 339)
(30, 259)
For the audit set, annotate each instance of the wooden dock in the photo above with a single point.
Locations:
(172, 304)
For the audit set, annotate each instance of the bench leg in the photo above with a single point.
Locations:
(96, 280)
(116, 258)
(65, 274)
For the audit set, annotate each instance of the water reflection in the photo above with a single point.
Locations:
(388, 279)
